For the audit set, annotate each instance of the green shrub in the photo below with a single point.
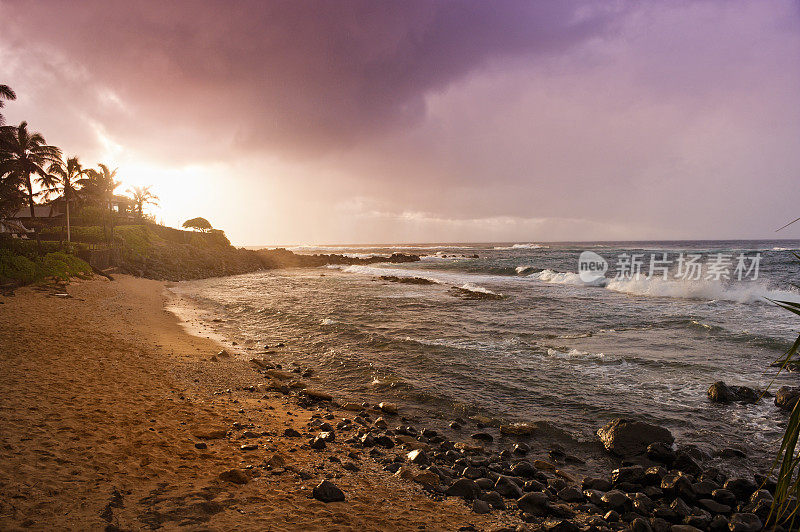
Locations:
(61, 265)
(16, 267)
(25, 270)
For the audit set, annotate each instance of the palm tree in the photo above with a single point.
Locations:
(5, 94)
(62, 178)
(142, 196)
(25, 154)
(101, 185)
(11, 197)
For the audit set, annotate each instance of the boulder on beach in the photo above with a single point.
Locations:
(661, 452)
(418, 457)
(327, 491)
(787, 397)
(506, 487)
(235, 476)
(316, 395)
(483, 436)
(389, 408)
(719, 392)
(464, 488)
(625, 437)
(745, 522)
(279, 375)
(534, 503)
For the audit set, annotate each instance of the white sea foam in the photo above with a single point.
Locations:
(339, 249)
(327, 321)
(377, 272)
(462, 281)
(364, 255)
(550, 276)
(524, 269)
(478, 289)
(712, 291)
(575, 354)
(522, 246)
(738, 292)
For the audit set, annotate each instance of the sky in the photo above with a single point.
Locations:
(288, 122)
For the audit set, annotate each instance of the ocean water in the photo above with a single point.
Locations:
(514, 335)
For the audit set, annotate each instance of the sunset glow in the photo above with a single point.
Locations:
(400, 265)
(550, 132)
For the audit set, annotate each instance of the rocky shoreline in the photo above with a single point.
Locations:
(656, 486)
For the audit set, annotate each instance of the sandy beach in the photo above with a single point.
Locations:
(113, 417)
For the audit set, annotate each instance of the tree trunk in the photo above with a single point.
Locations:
(111, 212)
(29, 186)
(66, 199)
(105, 219)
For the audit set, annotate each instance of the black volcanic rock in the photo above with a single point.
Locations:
(327, 491)
(719, 392)
(787, 397)
(625, 437)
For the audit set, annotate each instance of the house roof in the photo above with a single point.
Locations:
(121, 199)
(41, 211)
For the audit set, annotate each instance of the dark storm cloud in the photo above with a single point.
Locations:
(427, 121)
(306, 76)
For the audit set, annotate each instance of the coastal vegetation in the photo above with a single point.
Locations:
(72, 211)
(198, 224)
(787, 490)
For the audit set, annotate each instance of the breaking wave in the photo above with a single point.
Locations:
(522, 246)
(550, 276)
(383, 272)
(743, 292)
(479, 290)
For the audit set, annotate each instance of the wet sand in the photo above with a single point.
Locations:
(103, 398)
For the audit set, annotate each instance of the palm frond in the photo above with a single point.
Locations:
(7, 93)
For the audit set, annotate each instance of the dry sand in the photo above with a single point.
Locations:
(102, 398)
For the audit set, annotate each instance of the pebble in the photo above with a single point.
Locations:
(418, 457)
(495, 500)
(389, 408)
(714, 506)
(316, 395)
(524, 469)
(480, 507)
(317, 443)
(507, 488)
(483, 436)
(744, 522)
(464, 488)
(534, 503)
(615, 499)
(560, 525)
(350, 466)
(571, 494)
(521, 449)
